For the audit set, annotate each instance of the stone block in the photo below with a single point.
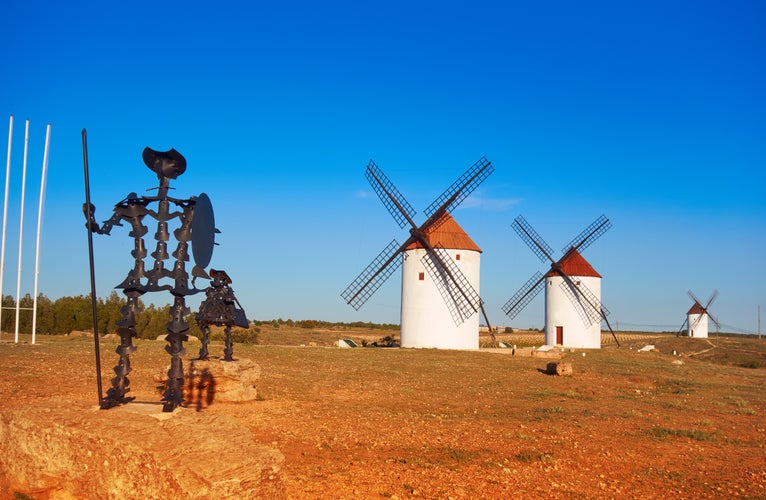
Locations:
(217, 380)
(561, 368)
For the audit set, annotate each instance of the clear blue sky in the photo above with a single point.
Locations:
(653, 113)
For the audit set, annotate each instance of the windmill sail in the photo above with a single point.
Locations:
(374, 275)
(590, 234)
(461, 188)
(524, 296)
(533, 240)
(397, 206)
(587, 305)
(458, 294)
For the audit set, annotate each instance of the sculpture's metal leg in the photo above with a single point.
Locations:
(126, 329)
(176, 337)
(229, 349)
(203, 353)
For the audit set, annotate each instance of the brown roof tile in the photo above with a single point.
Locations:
(446, 232)
(574, 264)
(696, 309)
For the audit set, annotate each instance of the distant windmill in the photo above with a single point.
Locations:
(573, 309)
(697, 317)
(440, 312)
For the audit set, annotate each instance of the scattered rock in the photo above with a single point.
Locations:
(80, 333)
(561, 368)
(539, 353)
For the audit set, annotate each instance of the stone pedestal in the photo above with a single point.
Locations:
(215, 380)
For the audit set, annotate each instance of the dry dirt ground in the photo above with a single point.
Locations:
(394, 423)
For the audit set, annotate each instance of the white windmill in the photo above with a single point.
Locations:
(697, 317)
(440, 311)
(573, 308)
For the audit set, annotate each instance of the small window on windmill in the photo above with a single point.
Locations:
(421, 275)
(457, 256)
(577, 282)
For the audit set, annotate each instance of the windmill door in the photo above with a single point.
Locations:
(559, 335)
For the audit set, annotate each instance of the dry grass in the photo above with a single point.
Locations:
(430, 423)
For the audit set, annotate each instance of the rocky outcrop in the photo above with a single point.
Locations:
(56, 450)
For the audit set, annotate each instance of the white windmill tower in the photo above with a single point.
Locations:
(438, 311)
(562, 309)
(421, 297)
(697, 317)
(573, 308)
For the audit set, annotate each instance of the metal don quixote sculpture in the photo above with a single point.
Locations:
(196, 227)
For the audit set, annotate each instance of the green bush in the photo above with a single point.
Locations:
(238, 335)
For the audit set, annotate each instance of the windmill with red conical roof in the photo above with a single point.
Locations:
(697, 317)
(440, 266)
(573, 308)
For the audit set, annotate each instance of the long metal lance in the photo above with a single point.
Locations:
(89, 216)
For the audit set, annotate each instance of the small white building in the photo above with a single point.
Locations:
(564, 322)
(698, 322)
(426, 321)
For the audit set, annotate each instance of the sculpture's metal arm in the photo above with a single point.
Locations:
(182, 203)
(106, 226)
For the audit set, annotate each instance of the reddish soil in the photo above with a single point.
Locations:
(398, 423)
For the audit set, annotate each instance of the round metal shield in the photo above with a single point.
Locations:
(203, 231)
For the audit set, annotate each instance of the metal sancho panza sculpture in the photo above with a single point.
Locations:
(220, 308)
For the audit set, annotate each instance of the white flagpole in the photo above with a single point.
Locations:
(21, 228)
(39, 228)
(5, 217)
